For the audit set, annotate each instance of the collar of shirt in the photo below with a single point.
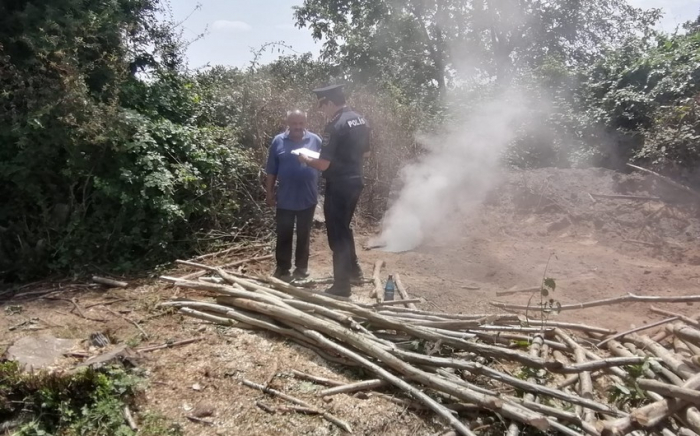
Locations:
(340, 112)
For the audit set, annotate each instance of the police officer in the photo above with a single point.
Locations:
(345, 143)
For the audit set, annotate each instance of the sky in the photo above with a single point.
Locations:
(235, 29)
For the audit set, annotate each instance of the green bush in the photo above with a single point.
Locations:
(109, 154)
(90, 402)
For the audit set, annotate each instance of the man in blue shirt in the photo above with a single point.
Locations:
(296, 197)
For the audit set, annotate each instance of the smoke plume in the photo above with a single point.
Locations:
(458, 170)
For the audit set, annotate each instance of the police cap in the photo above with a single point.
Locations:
(327, 92)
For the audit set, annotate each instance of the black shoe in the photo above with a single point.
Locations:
(356, 278)
(339, 291)
(282, 274)
(300, 273)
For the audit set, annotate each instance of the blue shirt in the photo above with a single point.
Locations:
(297, 184)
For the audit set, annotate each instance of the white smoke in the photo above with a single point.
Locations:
(456, 173)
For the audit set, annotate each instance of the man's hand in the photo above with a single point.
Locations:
(318, 164)
(270, 200)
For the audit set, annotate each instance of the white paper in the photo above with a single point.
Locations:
(312, 154)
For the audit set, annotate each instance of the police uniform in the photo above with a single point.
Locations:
(345, 141)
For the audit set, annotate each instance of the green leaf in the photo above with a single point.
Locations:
(623, 389)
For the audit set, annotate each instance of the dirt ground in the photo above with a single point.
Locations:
(596, 248)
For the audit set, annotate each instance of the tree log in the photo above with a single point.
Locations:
(416, 331)
(650, 415)
(417, 393)
(667, 390)
(374, 350)
(483, 370)
(691, 417)
(617, 349)
(678, 367)
(687, 333)
(401, 289)
(109, 282)
(377, 290)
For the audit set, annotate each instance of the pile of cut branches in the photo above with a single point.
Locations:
(529, 373)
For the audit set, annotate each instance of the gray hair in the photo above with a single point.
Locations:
(296, 112)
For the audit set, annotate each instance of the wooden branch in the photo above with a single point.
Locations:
(199, 420)
(678, 367)
(691, 417)
(378, 290)
(690, 395)
(417, 331)
(401, 289)
(374, 350)
(567, 325)
(687, 333)
(617, 349)
(681, 348)
(315, 379)
(626, 197)
(650, 415)
(685, 319)
(269, 409)
(237, 247)
(168, 345)
(130, 321)
(76, 307)
(353, 387)
(398, 302)
(232, 314)
(534, 351)
(608, 301)
(493, 318)
(585, 385)
(417, 393)
(331, 418)
(480, 369)
(635, 330)
(129, 418)
(667, 181)
(109, 282)
(197, 274)
(518, 291)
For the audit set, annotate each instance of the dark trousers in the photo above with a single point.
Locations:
(338, 207)
(285, 237)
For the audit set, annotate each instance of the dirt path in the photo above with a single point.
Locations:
(508, 242)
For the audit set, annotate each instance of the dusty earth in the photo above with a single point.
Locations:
(593, 247)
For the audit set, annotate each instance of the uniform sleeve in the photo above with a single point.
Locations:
(317, 143)
(272, 161)
(330, 143)
(367, 142)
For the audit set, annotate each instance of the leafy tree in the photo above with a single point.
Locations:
(422, 43)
